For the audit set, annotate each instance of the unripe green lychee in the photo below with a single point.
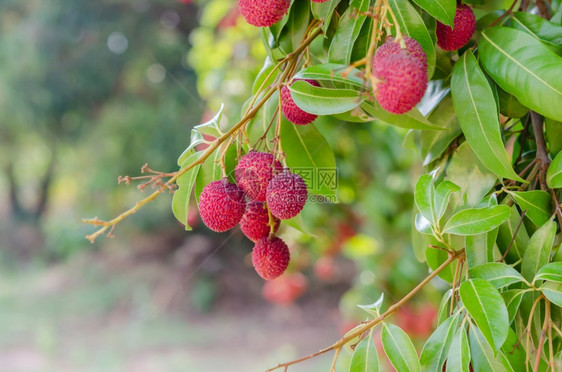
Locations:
(454, 38)
(270, 257)
(221, 205)
(391, 47)
(263, 13)
(286, 195)
(254, 171)
(404, 80)
(255, 221)
(292, 112)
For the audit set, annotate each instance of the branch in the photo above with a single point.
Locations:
(365, 327)
(105, 225)
(542, 155)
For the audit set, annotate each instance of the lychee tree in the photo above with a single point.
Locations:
(479, 87)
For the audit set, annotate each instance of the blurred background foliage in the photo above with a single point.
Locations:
(93, 90)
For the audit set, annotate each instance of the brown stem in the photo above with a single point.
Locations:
(105, 225)
(514, 235)
(366, 326)
(541, 340)
(544, 12)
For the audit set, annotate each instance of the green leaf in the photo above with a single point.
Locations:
(466, 171)
(486, 306)
(554, 173)
(437, 347)
(365, 358)
(444, 307)
(435, 258)
(323, 11)
(514, 353)
(498, 274)
(506, 233)
(182, 196)
(441, 197)
(479, 248)
(412, 119)
(347, 32)
(510, 106)
(538, 27)
(324, 101)
(412, 25)
(263, 122)
(478, 116)
(538, 250)
(524, 67)
(442, 10)
(536, 203)
(399, 349)
(422, 224)
(424, 197)
(331, 72)
(512, 299)
(477, 221)
(375, 307)
(554, 136)
(435, 142)
(306, 149)
(553, 291)
(265, 71)
(551, 272)
(458, 359)
(483, 357)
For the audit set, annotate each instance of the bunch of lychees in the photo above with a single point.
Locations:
(264, 194)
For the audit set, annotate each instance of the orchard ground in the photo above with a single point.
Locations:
(96, 314)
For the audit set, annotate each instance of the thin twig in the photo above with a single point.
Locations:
(366, 326)
(514, 235)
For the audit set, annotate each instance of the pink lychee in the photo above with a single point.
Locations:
(454, 38)
(255, 221)
(254, 171)
(221, 205)
(270, 257)
(286, 195)
(292, 112)
(263, 13)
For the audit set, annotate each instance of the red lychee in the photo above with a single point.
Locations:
(221, 205)
(286, 195)
(270, 257)
(391, 47)
(292, 112)
(454, 38)
(254, 222)
(404, 80)
(263, 13)
(254, 171)
(285, 289)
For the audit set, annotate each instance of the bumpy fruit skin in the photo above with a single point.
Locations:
(460, 34)
(254, 222)
(404, 80)
(263, 13)
(286, 195)
(391, 47)
(221, 205)
(254, 171)
(270, 257)
(292, 112)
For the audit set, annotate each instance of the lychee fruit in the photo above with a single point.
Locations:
(221, 205)
(270, 257)
(263, 13)
(255, 221)
(454, 38)
(391, 46)
(403, 82)
(254, 171)
(292, 112)
(286, 195)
